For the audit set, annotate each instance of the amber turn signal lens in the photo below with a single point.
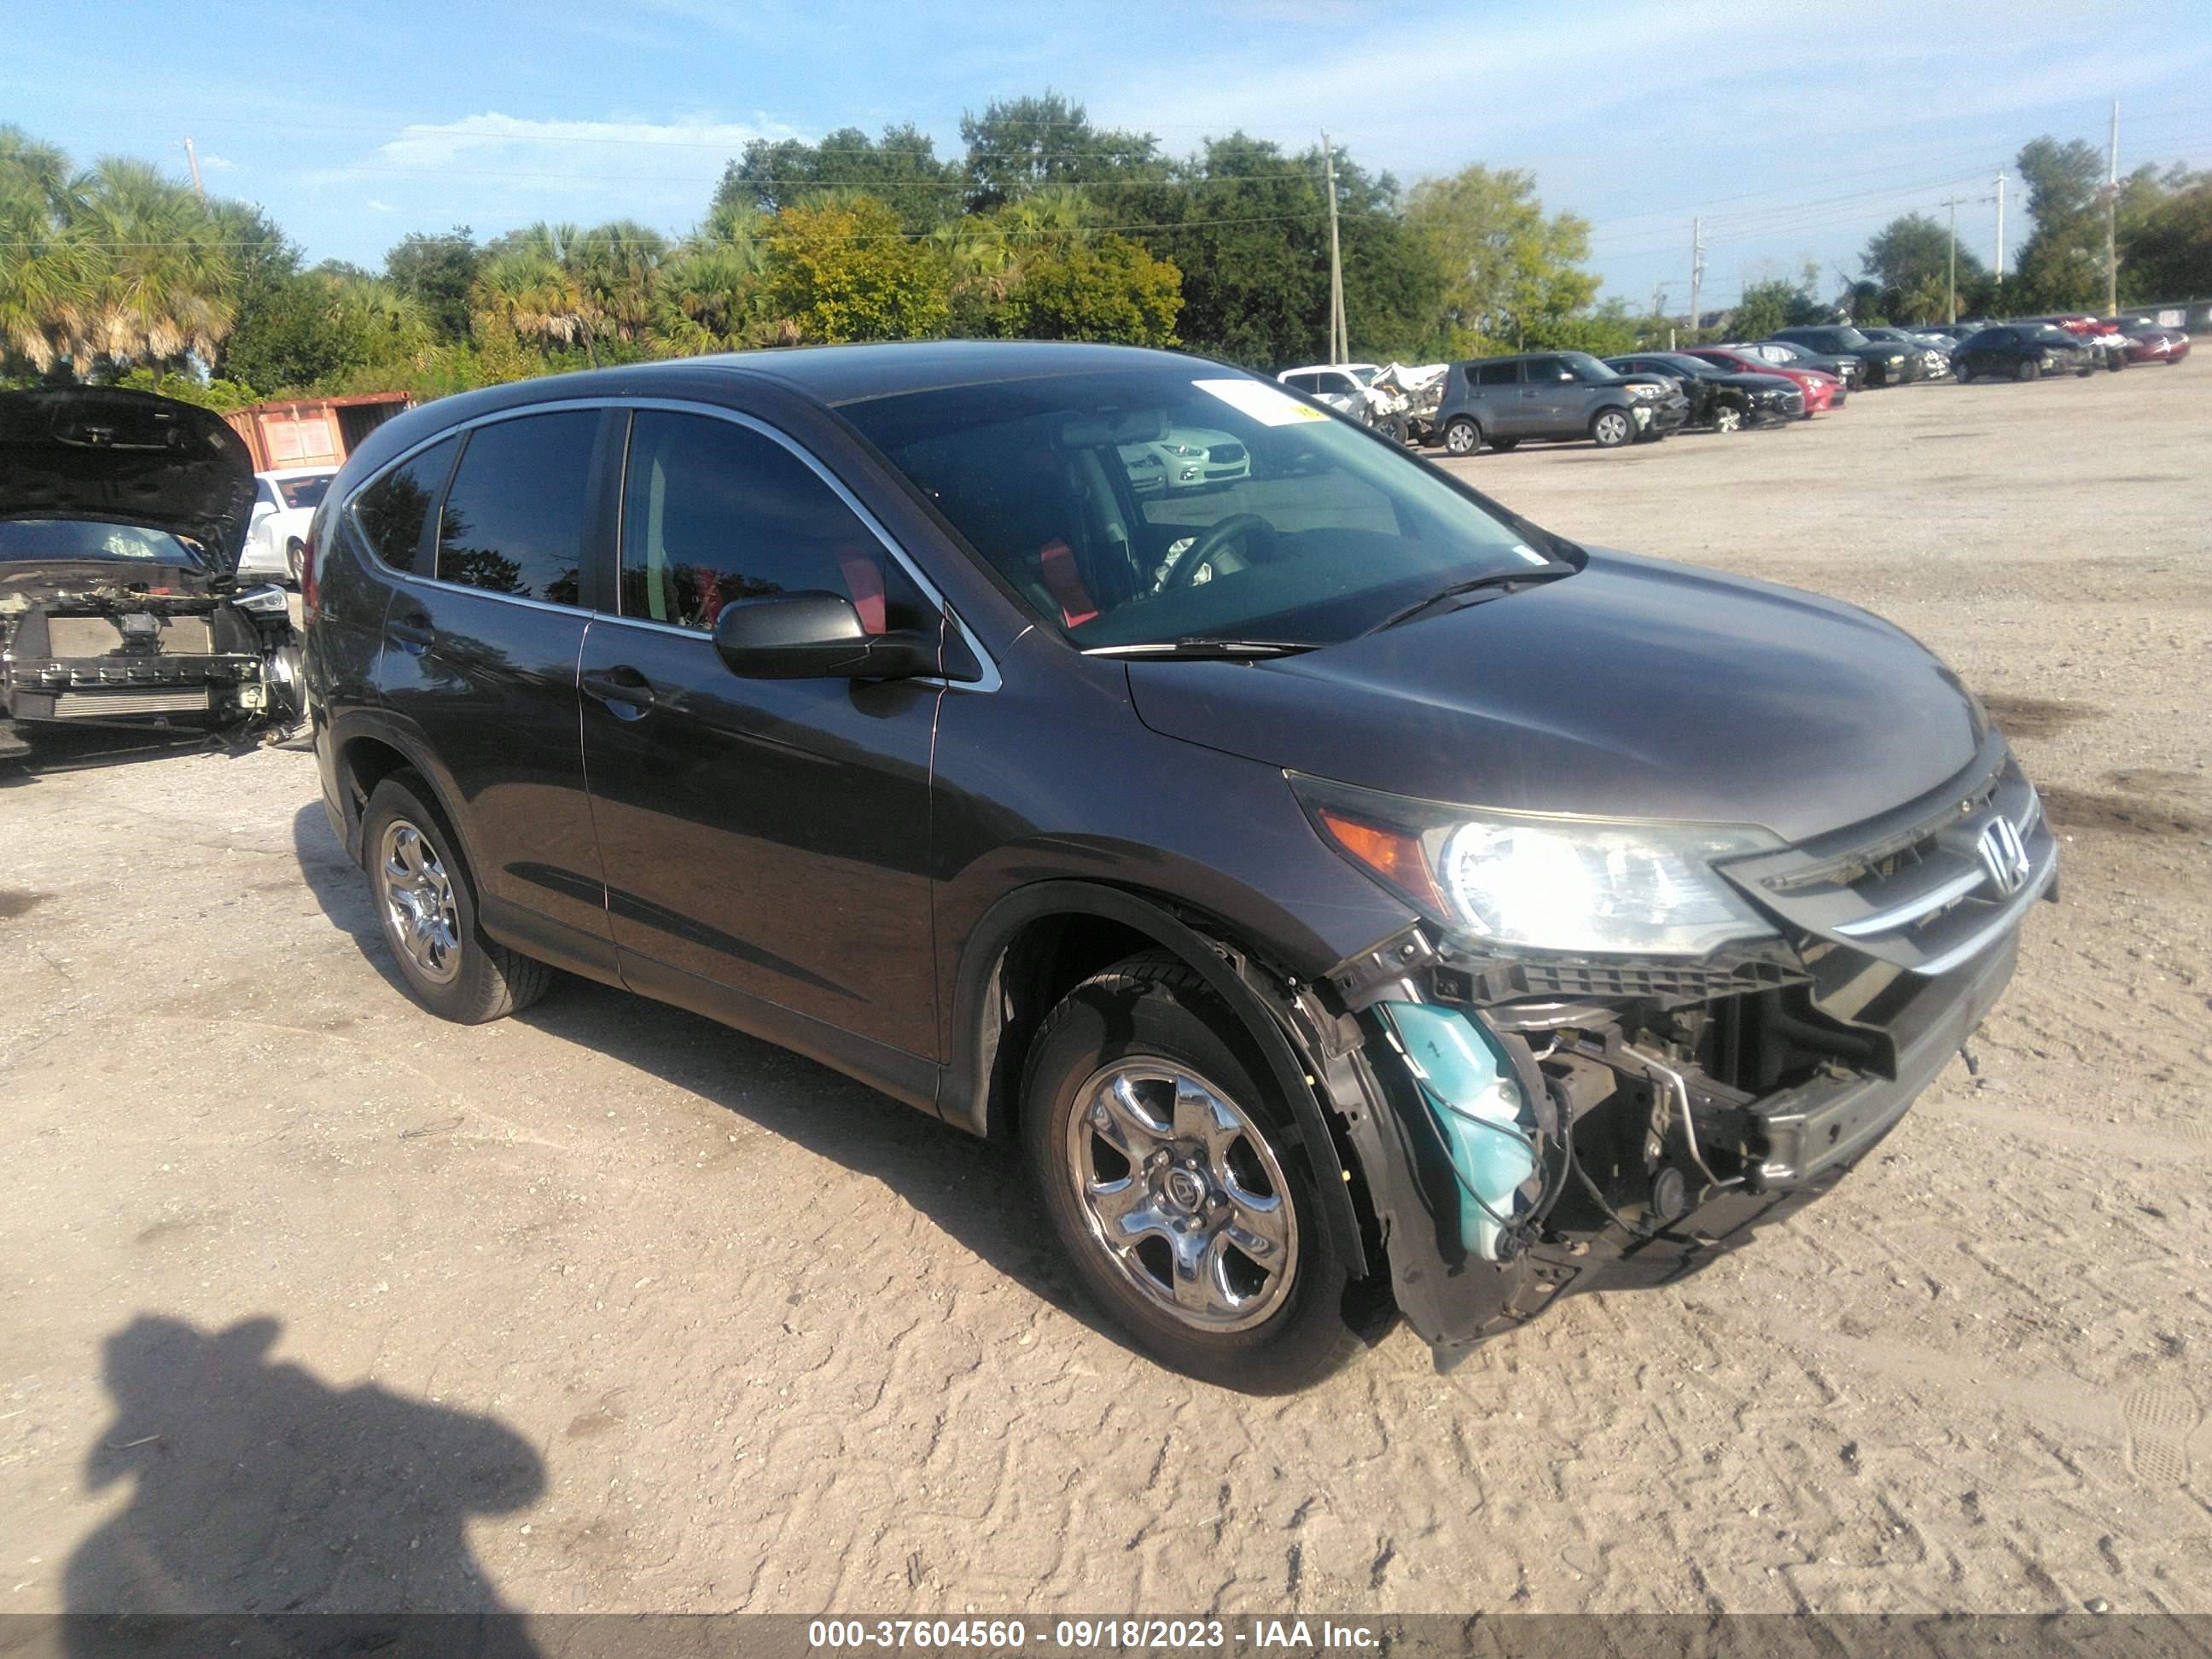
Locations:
(1390, 853)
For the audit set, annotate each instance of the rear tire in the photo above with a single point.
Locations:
(1462, 437)
(1154, 1143)
(426, 906)
(1612, 429)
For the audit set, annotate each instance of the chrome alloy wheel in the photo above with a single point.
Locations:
(1182, 1193)
(419, 916)
(1612, 428)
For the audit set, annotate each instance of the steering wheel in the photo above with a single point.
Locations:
(1211, 541)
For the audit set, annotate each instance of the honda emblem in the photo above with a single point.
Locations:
(2004, 855)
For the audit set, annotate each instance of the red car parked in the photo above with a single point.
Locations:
(2150, 342)
(1821, 391)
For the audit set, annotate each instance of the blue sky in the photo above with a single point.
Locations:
(1794, 131)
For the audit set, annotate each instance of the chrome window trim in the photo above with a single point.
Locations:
(990, 681)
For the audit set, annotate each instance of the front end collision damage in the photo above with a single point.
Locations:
(1527, 1126)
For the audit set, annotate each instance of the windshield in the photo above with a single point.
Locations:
(1144, 506)
(23, 540)
(1696, 366)
(2048, 334)
(304, 492)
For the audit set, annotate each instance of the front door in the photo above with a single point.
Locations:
(764, 838)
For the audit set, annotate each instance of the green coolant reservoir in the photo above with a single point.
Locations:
(1484, 1118)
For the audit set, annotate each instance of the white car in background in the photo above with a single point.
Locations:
(1342, 387)
(284, 501)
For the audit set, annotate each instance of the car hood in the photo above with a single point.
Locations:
(1746, 381)
(116, 457)
(1636, 688)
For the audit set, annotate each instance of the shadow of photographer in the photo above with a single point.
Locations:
(262, 1492)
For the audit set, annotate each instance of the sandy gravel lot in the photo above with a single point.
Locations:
(308, 1300)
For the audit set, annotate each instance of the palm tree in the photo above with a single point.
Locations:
(165, 283)
(702, 295)
(45, 280)
(524, 283)
(117, 263)
(614, 266)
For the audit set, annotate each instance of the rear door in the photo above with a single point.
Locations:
(1494, 390)
(478, 665)
(765, 841)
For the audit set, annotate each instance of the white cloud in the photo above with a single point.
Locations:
(375, 206)
(217, 163)
(430, 144)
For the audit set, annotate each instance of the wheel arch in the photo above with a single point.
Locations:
(1040, 941)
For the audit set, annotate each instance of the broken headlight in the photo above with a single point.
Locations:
(1528, 881)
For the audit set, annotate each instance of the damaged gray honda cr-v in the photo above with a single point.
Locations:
(1348, 891)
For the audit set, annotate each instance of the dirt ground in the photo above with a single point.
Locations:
(308, 1300)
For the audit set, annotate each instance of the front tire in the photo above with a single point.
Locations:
(1178, 1186)
(426, 906)
(1462, 437)
(296, 553)
(1728, 418)
(2027, 369)
(1611, 428)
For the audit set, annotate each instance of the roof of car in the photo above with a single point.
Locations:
(852, 374)
(278, 474)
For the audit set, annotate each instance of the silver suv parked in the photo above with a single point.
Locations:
(1500, 401)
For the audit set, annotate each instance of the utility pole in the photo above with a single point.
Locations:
(1951, 278)
(2000, 248)
(1697, 269)
(192, 158)
(1340, 347)
(2112, 215)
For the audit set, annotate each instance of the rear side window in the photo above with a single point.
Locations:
(713, 512)
(1302, 382)
(394, 511)
(1498, 374)
(514, 521)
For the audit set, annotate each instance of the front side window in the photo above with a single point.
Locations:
(393, 512)
(713, 512)
(514, 521)
(304, 492)
(1157, 506)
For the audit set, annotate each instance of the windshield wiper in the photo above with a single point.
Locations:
(1505, 580)
(1203, 645)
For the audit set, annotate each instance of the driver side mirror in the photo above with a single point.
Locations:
(815, 636)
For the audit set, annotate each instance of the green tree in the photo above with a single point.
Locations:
(1508, 269)
(1020, 144)
(1776, 303)
(902, 168)
(2165, 243)
(1102, 287)
(1909, 260)
(436, 273)
(2062, 264)
(706, 293)
(105, 269)
(318, 329)
(846, 270)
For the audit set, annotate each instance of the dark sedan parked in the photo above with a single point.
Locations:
(1345, 888)
(1725, 401)
(2023, 351)
(1879, 364)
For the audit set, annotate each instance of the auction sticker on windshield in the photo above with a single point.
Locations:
(1262, 403)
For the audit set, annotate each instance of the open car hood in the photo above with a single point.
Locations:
(128, 457)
